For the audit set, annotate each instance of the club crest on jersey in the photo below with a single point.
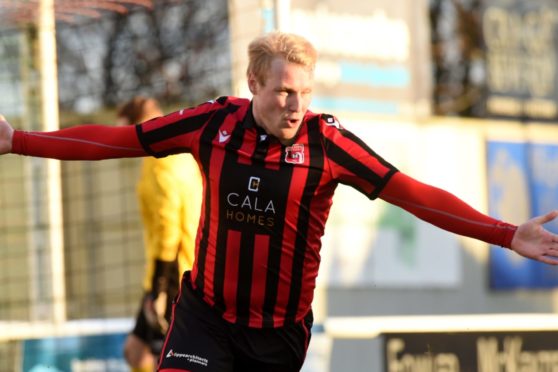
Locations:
(295, 154)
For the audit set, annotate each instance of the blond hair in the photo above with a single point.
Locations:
(139, 109)
(293, 48)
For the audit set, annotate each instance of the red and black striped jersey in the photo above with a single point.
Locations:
(265, 205)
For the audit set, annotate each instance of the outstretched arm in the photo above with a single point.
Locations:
(6, 135)
(450, 213)
(81, 142)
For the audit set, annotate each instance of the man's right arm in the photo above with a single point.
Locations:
(82, 142)
(6, 135)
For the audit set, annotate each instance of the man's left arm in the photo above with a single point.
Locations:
(450, 213)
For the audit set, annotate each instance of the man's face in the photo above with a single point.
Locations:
(279, 105)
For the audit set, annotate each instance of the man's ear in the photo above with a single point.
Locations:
(252, 83)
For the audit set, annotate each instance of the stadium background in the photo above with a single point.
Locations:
(458, 93)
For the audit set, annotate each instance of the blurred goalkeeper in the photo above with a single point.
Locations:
(169, 194)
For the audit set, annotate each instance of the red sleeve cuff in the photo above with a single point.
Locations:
(18, 141)
(508, 235)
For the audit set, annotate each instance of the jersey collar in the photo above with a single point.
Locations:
(249, 122)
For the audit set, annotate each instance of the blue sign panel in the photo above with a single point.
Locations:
(521, 184)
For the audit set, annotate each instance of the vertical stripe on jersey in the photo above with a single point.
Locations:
(245, 269)
(218, 278)
(258, 286)
(275, 253)
(232, 273)
(313, 177)
(247, 147)
(202, 273)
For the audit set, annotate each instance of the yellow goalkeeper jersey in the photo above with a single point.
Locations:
(170, 195)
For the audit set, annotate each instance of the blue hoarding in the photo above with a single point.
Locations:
(522, 183)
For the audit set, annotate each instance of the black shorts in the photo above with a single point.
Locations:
(153, 337)
(199, 339)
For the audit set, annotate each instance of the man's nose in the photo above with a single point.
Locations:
(295, 103)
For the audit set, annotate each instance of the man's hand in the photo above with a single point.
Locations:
(533, 241)
(6, 135)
